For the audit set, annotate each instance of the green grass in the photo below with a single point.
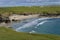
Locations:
(33, 9)
(8, 34)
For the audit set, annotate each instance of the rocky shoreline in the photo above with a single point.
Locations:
(16, 16)
(22, 17)
(5, 21)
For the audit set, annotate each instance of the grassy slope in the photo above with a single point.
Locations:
(7, 34)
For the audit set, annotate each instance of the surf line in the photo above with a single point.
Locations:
(41, 23)
(35, 22)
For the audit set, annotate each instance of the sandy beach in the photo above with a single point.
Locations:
(22, 17)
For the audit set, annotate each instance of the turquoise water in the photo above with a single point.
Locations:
(39, 25)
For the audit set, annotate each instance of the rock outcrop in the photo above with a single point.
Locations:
(4, 19)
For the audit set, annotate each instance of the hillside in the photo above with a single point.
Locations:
(8, 34)
(32, 9)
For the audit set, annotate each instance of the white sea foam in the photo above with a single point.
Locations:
(32, 31)
(42, 23)
(32, 23)
(27, 25)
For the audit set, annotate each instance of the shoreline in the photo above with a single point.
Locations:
(8, 25)
(49, 17)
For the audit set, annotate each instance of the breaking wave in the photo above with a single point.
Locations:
(32, 23)
(39, 25)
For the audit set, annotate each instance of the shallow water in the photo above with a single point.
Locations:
(39, 26)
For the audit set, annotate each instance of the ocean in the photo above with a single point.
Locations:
(38, 26)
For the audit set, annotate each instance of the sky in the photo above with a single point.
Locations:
(28, 2)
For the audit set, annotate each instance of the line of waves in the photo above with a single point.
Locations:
(33, 23)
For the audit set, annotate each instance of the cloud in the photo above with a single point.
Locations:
(28, 2)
